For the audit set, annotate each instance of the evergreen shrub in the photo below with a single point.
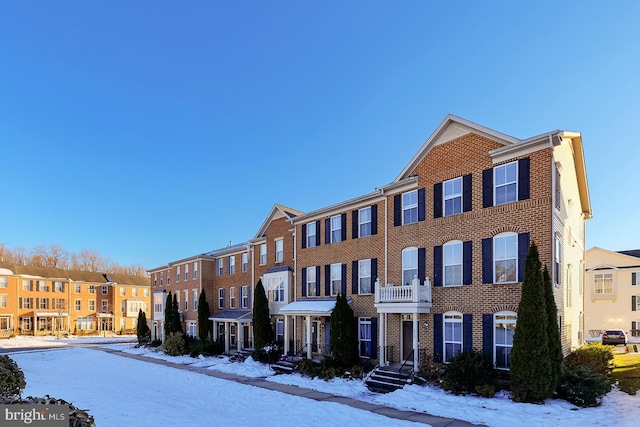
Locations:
(469, 372)
(174, 344)
(12, 380)
(583, 386)
(595, 355)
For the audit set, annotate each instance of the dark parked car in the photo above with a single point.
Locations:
(614, 337)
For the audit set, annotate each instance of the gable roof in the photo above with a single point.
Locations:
(277, 212)
(633, 253)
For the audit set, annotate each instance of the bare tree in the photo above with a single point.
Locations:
(5, 254)
(20, 256)
(88, 260)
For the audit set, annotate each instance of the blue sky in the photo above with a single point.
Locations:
(153, 131)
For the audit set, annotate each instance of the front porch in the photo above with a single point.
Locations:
(234, 329)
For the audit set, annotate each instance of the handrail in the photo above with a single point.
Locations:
(409, 357)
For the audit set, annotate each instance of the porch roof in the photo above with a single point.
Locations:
(238, 315)
(315, 306)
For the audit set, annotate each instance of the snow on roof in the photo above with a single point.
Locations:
(324, 306)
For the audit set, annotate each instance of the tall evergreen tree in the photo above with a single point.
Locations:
(168, 317)
(176, 324)
(343, 340)
(553, 333)
(204, 326)
(142, 330)
(262, 331)
(530, 363)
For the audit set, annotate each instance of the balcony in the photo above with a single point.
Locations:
(415, 297)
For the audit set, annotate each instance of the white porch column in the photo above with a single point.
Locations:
(240, 334)
(285, 325)
(227, 336)
(382, 338)
(309, 340)
(415, 340)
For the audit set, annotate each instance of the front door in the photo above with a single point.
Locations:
(327, 336)
(407, 338)
(247, 343)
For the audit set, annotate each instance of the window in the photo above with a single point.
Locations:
(364, 336)
(311, 282)
(410, 207)
(186, 300)
(232, 264)
(92, 289)
(123, 291)
(105, 290)
(603, 283)
(186, 272)
(452, 335)
(26, 303)
(280, 331)
(364, 222)
(26, 323)
(191, 329)
(221, 298)
(245, 295)
(105, 305)
(123, 323)
(92, 305)
(279, 250)
(558, 194)
(263, 254)
(556, 261)
(58, 287)
(409, 265)
(155, 280)
(177, 273)
(77, 288)
(336, 279)
(42, 286)
(232, 297)
(277, 290)
(312, 232)
(3, 301)
(505, 180)
(27, 285)
(245, 262)
(505, 258)
(158, 303)
(452, 261)
(336, 229)
(452, 196)
(195, 300)
(4, 282)
(504, 328)
(635, 303)
(77, 304)
(42, 303)
(220, 269)
(123, 306)
(84, 323)
(364, 276)
(569, 291)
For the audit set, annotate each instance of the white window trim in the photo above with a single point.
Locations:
(220, 298)
(449, 244)
(232, 264)
(360, 277)
(361, 222)
(406, 250)
(451, 196)
(245, 297)
(334, 228)
(314, 234)
(494, 259)
(495, 186)
(263, 254)
(232, 297)
(311, 285)
(245, 262)
(600, 286)
(493, 330)
(280, 252)
(364, 321)
(456, 318)
(409, 206)
(336, 267)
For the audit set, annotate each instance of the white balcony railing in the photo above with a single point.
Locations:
(415, 292)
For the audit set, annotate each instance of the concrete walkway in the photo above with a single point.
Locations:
(419, 417)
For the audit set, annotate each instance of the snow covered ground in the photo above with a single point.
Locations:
(110, 387)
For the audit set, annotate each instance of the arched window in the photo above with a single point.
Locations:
(504, 326)
(409, 265)
(505, 258)
(452, 334)
(452, 263)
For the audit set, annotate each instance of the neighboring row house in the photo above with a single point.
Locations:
(45, 301)
(431, 263)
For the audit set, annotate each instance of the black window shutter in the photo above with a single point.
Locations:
(467, 263)
(343, 279)
(487, 188)
(304, 282)
(304, 236)
(374, 219)
(343, 227)
(318, 233)
(374, 272)
(633, 303)
(437, 266)
(523, 179)
(318, 280)
(374, 338)
(354, 224)
(466, 193)
(487, 335)
(354, 277)
(633, 279)
(397, 210)
(437, 200)
(487, 260)
(523, 250)
(327, 231)
(327, 280)
(421, 260)
(467, 332)
(421, 205)
(438, 338)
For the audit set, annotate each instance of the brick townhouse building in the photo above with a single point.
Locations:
(432, 263)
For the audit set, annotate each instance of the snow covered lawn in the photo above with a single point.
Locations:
(110, 387)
